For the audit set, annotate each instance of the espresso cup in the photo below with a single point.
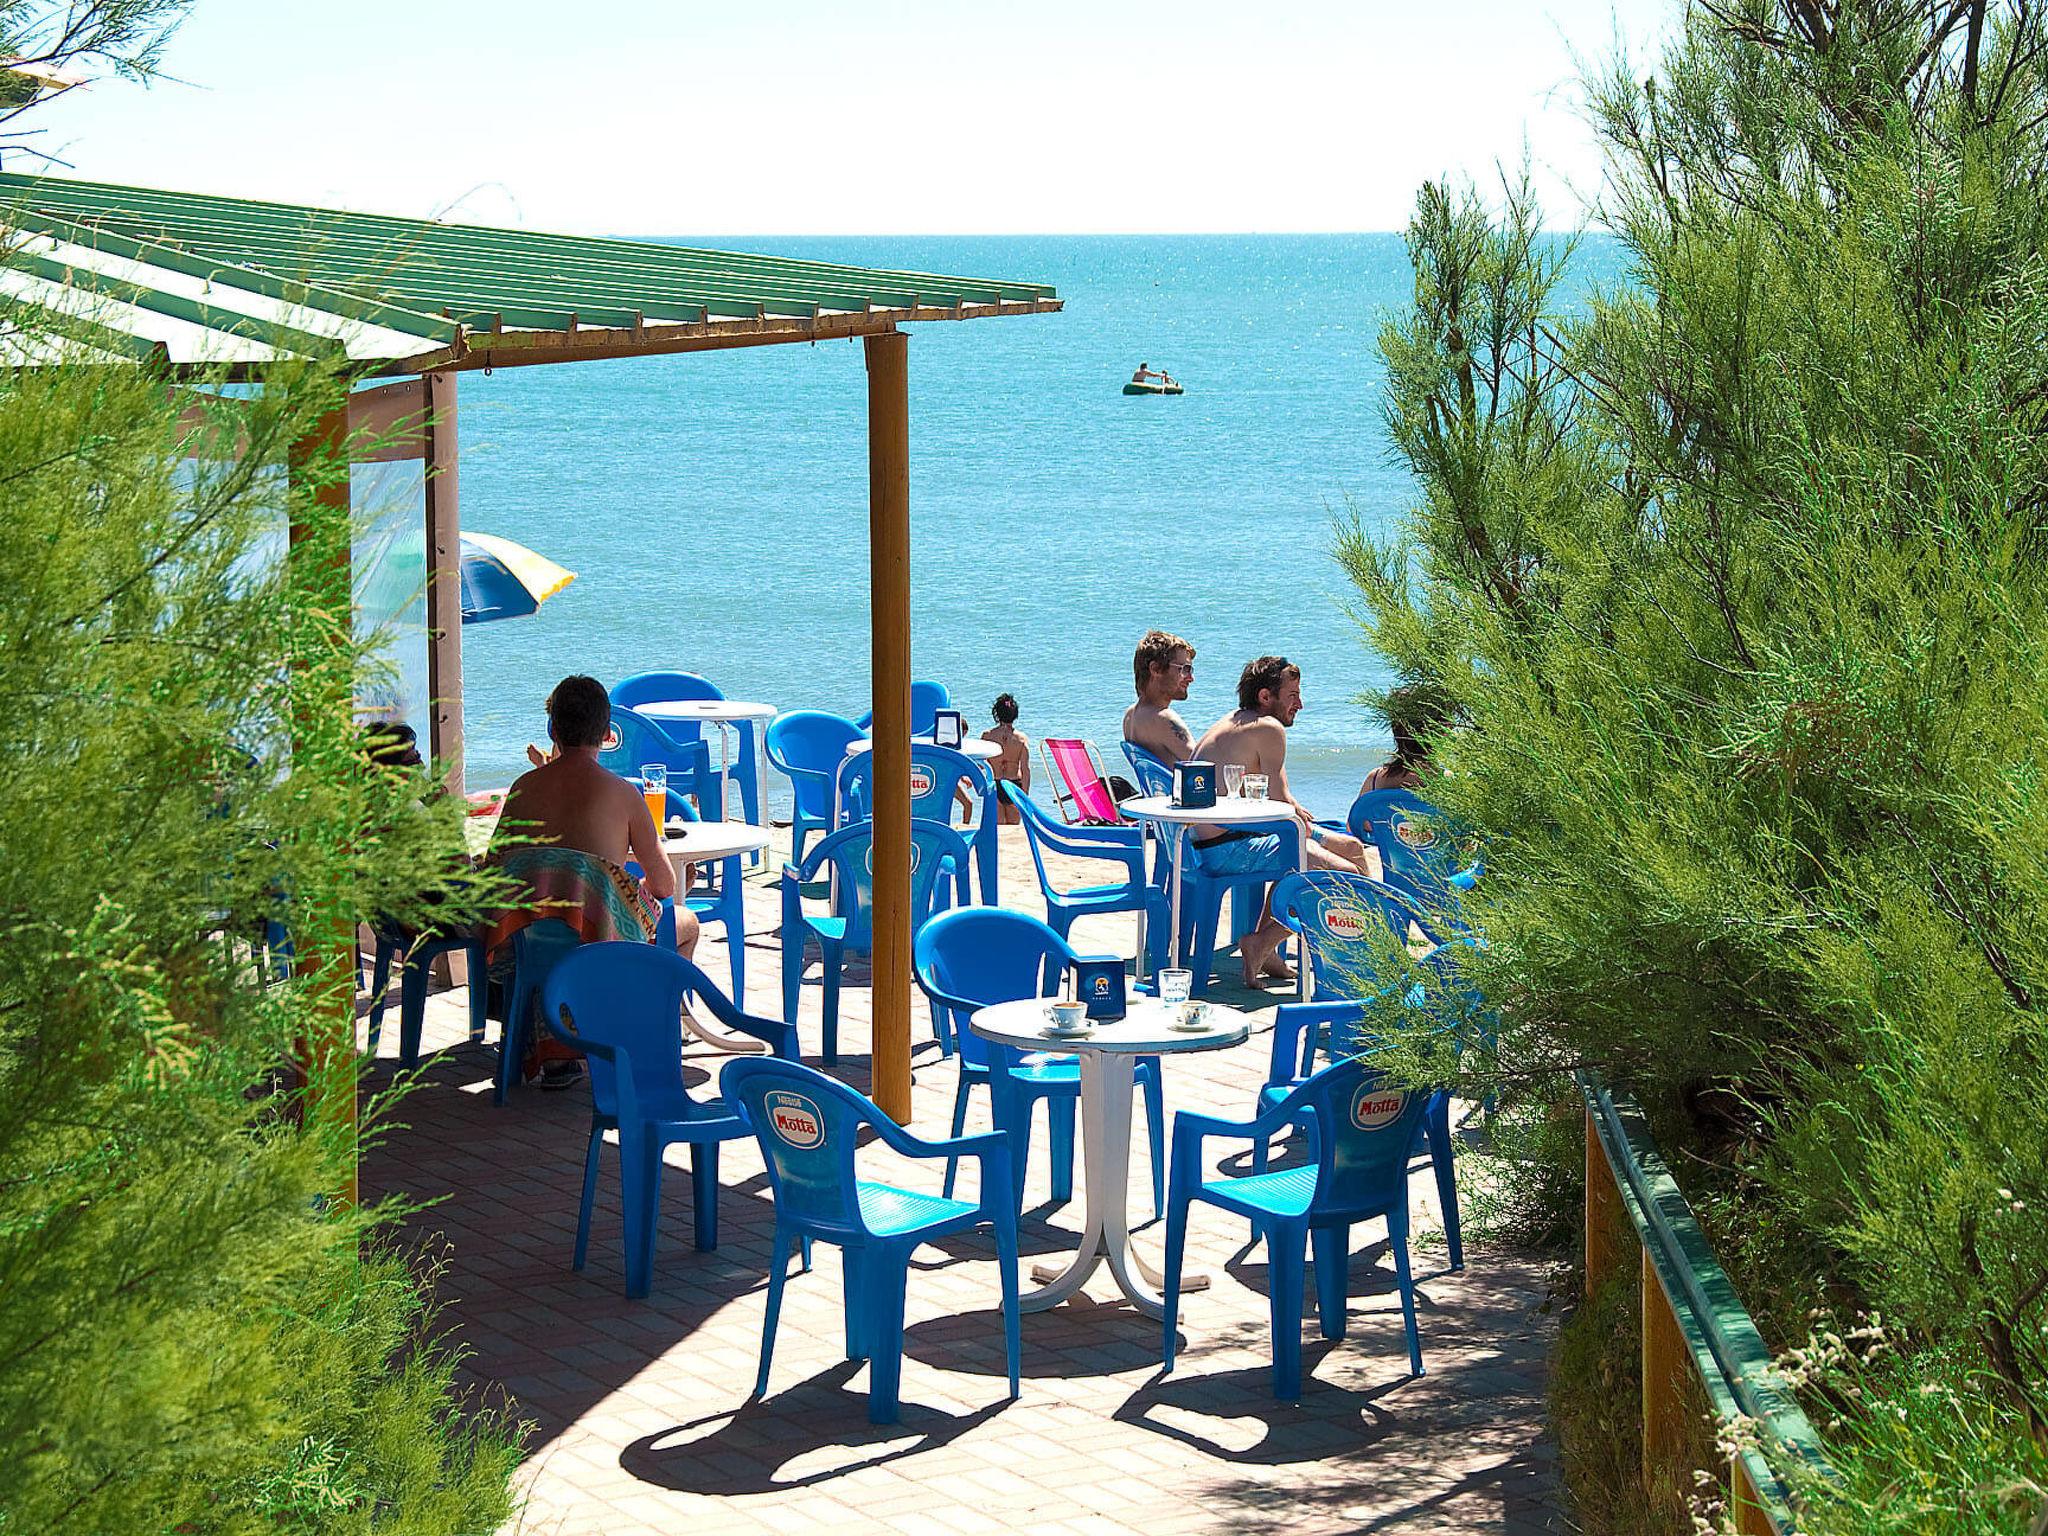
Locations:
(1069, 1015)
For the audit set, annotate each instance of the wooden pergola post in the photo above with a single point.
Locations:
(444, 586)
(323, 940)
(889, 586)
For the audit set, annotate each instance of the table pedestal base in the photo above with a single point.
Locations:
(1106, 1082)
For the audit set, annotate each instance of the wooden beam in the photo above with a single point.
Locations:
(889, 639)
(444, 586)
(324, 935)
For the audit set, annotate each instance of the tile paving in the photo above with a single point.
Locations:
(642, 1413)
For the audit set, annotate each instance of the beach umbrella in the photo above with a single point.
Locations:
(503, 580)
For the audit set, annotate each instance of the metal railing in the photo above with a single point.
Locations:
(1694, 1327)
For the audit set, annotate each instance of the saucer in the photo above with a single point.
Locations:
(1079, 1032)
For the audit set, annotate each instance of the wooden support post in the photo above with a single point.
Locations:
(444, 586)
(324, 935)
(1666, 1362)
(1605, 1219)
(889, 596)
(1751, 1516)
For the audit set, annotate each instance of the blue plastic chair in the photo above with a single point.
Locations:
(421, 950)
(926, 700)
(620, 1004)
(809, 1130)
(635, 741)
(807, 746)
(1154, 774)
(536, 950)
(1202, 892)
(1306, 1035)
(1347, 923)
(937, 774)
(1362, 1128)
(1418, 847)
(938, 880)
(970, 958)
(1120, 846)
(663, 687)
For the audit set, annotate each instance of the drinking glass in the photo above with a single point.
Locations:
(1175, 985)
(1233, 779)
(654, 789)
(1255, 786)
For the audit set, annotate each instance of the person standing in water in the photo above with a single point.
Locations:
(1013, 755)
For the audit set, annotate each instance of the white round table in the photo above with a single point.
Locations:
(711, 842)
(727, 715)
(973, 746)
(1108, 1057)
(1228, 811)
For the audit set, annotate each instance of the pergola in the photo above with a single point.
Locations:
(227, 288)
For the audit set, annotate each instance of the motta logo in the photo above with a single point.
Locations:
(611, 739)
(795, 1119)
(920, 782)
(1415, 834)
(1373, 1106)
(1346, 923)
(916, 858)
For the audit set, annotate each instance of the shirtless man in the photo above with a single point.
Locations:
(1013, 754)
(1163, 668)
(1254, 735)
(571, 801)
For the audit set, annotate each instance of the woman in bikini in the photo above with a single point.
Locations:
(1013, 757)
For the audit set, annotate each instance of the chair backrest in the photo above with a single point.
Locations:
(807, 742)
(808, 1126)
(661, 688)
(622, 1004)
(987, 955)
(938, 855)
(1078, 787)
(935, 772)
(540, 946)
(1349, 924)
(1364, 1128)
(1419, 848)
(1155, 776)
(634, 740)
(926, 700)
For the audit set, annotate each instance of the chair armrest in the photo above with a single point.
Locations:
(778, 1034)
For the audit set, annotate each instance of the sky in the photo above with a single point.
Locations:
(862, 116)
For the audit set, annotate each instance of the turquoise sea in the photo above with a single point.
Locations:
(714, 505)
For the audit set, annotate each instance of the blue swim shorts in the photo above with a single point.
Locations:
(1241, 855)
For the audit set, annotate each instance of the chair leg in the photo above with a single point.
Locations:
(1176, 1242)
(1286, 1258)
(640, 1170)
(792, 967)
(380, 983)
(778, 1264)
(591, 1155)
(887, 1273)
(1333, 1258)
(854, 1261)
(412, 1009)
(1204, 952)
(1006, 1259)
(1155, 1135)
(479, 987)
(1437, 1127)
(959, 1130)
(1059, 1115)
(833, 960)
(512, 1040)
(704, 1193)
(1397, 1237)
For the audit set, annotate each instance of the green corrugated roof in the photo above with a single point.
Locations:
(260, 278)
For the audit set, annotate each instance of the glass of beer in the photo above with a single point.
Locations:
(1233, 779)
(654, 786)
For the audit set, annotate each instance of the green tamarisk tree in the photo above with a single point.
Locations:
(199, 1331)
(1737, 574)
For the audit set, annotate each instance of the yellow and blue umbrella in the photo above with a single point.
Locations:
(503, 580)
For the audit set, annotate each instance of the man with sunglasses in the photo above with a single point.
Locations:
(1163, 668)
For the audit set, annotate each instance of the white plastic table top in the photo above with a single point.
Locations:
(1145, 1030)
(974, 746)
(1228, 811)
(700, 842)
(717, 711)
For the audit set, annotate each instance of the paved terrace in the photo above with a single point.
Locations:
(641, 1409)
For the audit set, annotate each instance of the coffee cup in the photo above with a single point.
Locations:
(1069, 1016)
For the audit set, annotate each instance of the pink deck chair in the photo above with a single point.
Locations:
(1078, 786)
